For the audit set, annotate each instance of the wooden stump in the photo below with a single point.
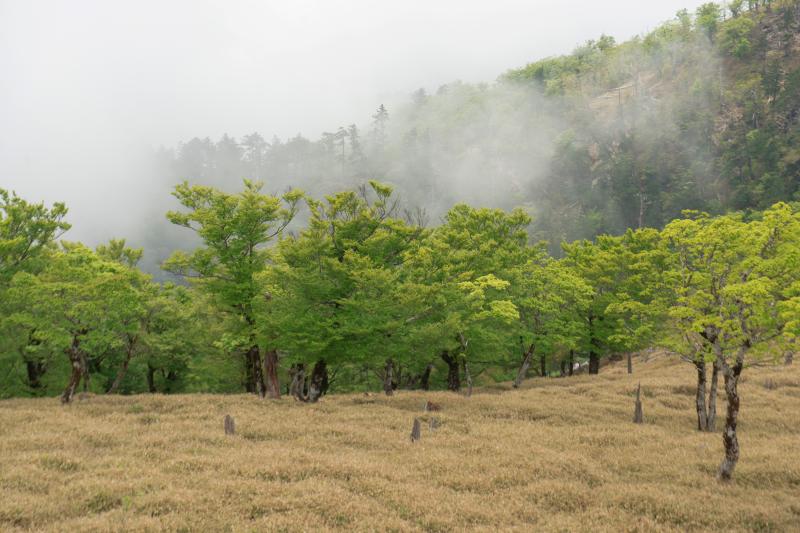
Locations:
(230, 427)
(434, 424)
(430, 406)
(415, 430)
(638, 417)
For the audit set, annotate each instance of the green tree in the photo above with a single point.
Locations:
(25, 230)
(334, 286)
(463, 270)
(79, 305)
(735, 36)
(733, 278)
(234, 229)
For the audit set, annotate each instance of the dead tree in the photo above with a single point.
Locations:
(230, 427)
(638, 417)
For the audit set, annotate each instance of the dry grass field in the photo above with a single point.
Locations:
(558, 455)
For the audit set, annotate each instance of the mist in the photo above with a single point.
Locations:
(90, 90)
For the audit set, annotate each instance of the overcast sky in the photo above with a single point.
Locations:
(85, 86)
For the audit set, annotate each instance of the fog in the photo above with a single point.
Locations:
(89, 89)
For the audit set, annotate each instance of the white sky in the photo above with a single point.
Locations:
(84, 85)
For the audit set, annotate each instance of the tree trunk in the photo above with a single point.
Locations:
(255, 374)
(124, 368)
(712, 399)
(76, 360)
(425, 382)
(787, 357)
(571, 362)
(271, 371)
(594, 358)
(729, 438)
(563, 368)
(700, 397)
(151, 381)
(170, 381)
(319, 381)
(468, 377)
(36, 370)
(387, 378)
(594, 363)
(543, 366)
(298, 373)
(523, 369)
(630, 363)
(453, 375)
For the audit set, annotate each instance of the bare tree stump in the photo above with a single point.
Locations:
(430, 406)
(638, 417)
(230, 427)
(434, 424)
(630, 363)
(415, 430)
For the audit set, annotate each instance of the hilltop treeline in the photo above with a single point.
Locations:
(701, 113)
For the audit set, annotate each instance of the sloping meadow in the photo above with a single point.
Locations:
(559, 454)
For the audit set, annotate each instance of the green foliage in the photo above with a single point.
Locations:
(25, 230)
(735, 36)
(734, 281)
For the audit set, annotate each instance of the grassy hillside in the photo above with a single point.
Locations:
(560, 454)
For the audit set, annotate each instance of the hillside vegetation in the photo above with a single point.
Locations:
(559, 454)
(703, 112)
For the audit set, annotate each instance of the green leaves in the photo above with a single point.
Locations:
(734, 279)
(25, 230)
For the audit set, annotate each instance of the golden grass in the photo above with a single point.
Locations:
(558, 455)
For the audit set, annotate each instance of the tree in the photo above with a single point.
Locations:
(735, 36)
(79, 304)
(379, 123)
(254, 149)
(463, 269)
(597, 264)
(708, 16)
(25, 230)
(335, 285)
(740, 275)
(550, 297)
(234, 229)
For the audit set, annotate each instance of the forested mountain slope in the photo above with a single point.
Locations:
(701, 113)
